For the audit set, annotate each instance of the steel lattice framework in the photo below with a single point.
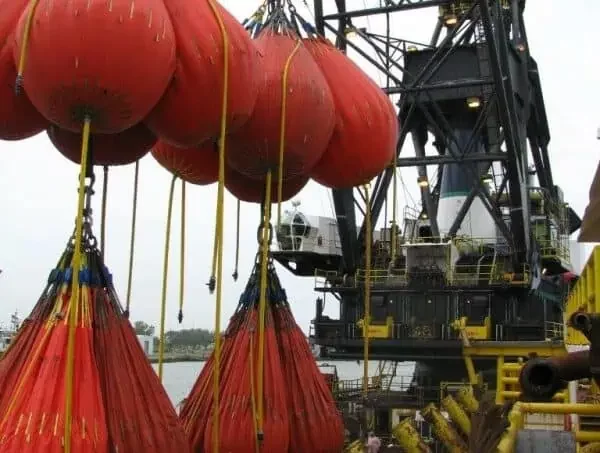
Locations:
(512, 115)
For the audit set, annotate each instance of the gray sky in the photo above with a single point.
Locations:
(38, 185)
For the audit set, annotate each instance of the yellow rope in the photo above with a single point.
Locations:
(367, 292)
(182, 254)
(25, 40)
(103, 212)
(237, 241)
(132, 240)
(163, 306)
(74, 305)
(263, 300)
(253, 394)
(284, 93)
(218, 256)
(394, 203)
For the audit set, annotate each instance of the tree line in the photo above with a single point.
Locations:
(178, 338)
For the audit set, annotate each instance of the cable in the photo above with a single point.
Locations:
(163, 305)
(182, 255)
(74, 300)
(284, 92)
(367, 290)
(394, 207)
(237, 240)
(132, 239)
(103, 212)
(218, 255)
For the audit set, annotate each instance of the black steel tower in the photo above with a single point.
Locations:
(474, 93)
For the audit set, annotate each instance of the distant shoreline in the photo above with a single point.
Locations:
(174, 358)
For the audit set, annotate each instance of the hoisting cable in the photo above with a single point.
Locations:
(132, 239)
(262, 307)
(237, 241)
(394, 208)
(367, 290)
(218, 260)
(284, 93)
(74, 300)
(103, 211)
(24, 43)
(163, 304)
(182, 255)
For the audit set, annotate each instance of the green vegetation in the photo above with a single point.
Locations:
(185, 341)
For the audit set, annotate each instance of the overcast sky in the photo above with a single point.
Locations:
(38, 185)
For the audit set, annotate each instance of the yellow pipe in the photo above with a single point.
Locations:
(587, 436)
(467, 400)
(443, 431)
(558, 408)
(409, 438)
(457, 414)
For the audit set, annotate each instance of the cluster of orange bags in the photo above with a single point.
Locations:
(156, 73)
(300, 414)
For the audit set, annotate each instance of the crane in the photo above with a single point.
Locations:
(488, 246)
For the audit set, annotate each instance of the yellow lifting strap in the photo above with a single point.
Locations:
(24, 43)
(103, 212)
(367, 289)
(165, 278)
(72, 318)
(262, 307)
(217, 273)
(282, 127)
(132, 238)
(182, 255)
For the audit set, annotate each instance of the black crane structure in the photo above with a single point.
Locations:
(475, 89)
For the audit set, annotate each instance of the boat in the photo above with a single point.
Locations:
(8, 333)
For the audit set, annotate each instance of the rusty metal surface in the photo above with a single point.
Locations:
(541, 441)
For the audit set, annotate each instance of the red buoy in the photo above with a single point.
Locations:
(309, 112)
(110, 61)
(198, 165)
(366, 128)
(18, 118)
(253, 191)
(190, 111)
(107, 149)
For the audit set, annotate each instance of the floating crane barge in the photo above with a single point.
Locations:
(477, 280)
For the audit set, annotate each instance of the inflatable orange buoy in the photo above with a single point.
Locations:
(18, 118)
(107, 149)
(109, 60)
(190, 111)
(253, 191)
(309, 116)
(198, 165)
(366, 129)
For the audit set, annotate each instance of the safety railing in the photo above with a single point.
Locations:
(555, 248)
(584, 296)
(459, 275)
(517, 419)
(382, 277)
(554, 330)
(325, 279)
